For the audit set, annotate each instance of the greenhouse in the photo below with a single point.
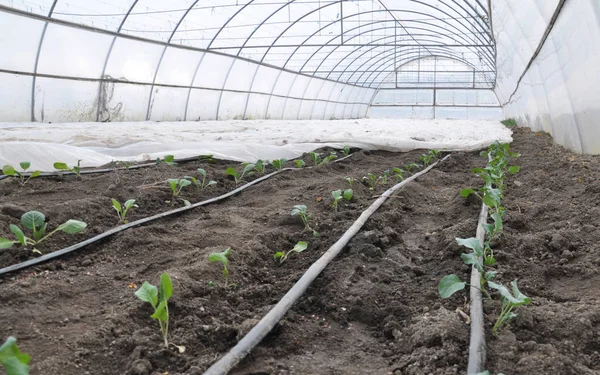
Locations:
(299, 187)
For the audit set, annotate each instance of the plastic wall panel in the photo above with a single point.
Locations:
(265, 79)
(318, 112)
(126, 102)
(466, 97)
(41, 7)
(232, 105)
(178, 67)
(213, 71)
(300, 86)
(59, 100)
(305, 110)
(73, 52)
(559, 93)
(19, 37)
(312, 90)
(203, 105)
(168, 104)
(285, 81)
(276, 108)
(15, 96)
(257, 105)
(241, 75)
(401, 112)
(468, 113)
(291, 109)
(326, 91)
(132, 60)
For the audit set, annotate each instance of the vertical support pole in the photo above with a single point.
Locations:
(341, 21)
(37, 60)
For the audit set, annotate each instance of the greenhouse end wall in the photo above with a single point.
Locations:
(61, 72)
(558, 93)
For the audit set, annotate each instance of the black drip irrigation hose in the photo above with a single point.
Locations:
(477, 348)
(266, 324)
(121, 228)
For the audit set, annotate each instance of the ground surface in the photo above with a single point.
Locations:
(375, 310)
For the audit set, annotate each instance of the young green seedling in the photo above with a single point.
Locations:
(429, 157)
(384, 179)
(298, 248)
(9, 170)
(279, 163)
(412, 166)
(64, 167)
(398, 174)
(223, 258)
(201, 185)
(168, 159)
(239, 177)
(36, 222)
(160, 303)
(350, 180)
(348, 194)
(259, 166)
(177, 185)
(11, 358)
(371, 180)
(346, 150)
(510, 301)
(122, 210)
(299, 163)
(338, 194)
(315, 157)
(301, 211)
(328, 158)
(207, 158)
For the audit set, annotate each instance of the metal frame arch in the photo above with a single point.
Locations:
(227, 23)
(37, 60)
(108, 54)
(163, 55)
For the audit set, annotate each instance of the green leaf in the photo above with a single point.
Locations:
(33, 220)
(25, 165)
(520, 296)
(278, 255)
(466, 192)
(497, 217)
(18, 233)
(492, 197)
(517, 300)
(166, 287)
(116, 205)
(148, 293)
(249, 167)
(337, 195)
(298, 209)
(161, 313)
(514, 169)
(299, 163)
(300, 247)
(173, 183)
(220, 257)
(5, 243)
(61, 166)
(37, 234)
(472, 243)
(183, 182)
(8, 170)
(202, 172)
(230, 171)
(489, 228)
(490, 275)
(348, 193)
(14, 362)
(210, 183)
(72, 226)
(130, 203)
(449, 285)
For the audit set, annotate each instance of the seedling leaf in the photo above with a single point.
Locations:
(148, 293)
(33, 220)
(514, 169)
(161, 312)
(472, 243)
(72, 226)
(449, 285)
(166, 287)
(25, 165)
(116, 205)
(348, 194)
(14, 362)
(130, 203)
(5, 243)
(18, 233)
(61, 166)
(8, 170)
(466, 192)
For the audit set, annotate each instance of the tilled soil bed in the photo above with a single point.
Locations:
(375, 309)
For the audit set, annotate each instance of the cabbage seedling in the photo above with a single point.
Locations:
(337, 195)
(201, 185)
(64, 167)
(429, 157)
(349, 180)
(299, 163)
(207, 158)
(329, 158)
(177, 185)
(315, 157)
(348, 193)
(13, 361)
(298, 248)
(168, 159)
(149, 293)
(371, 180)
(385, 177)
(398, 174)
(510, 301)
(239, 177)
(122, 210)
(36, 222)
(259, 166)
(346, 150)
(223, 258)
(301, 211)
(412, 166)
(9, 170)
(279, 163)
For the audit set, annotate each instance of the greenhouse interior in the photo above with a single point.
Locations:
(299, 187)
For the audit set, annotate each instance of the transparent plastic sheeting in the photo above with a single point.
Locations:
(559, 94)
(100, 143)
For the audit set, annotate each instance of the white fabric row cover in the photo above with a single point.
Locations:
(558, 93)
(246, 141)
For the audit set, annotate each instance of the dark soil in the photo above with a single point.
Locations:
(375, 309)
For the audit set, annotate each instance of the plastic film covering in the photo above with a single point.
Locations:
(132, 60)
(548, 74)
